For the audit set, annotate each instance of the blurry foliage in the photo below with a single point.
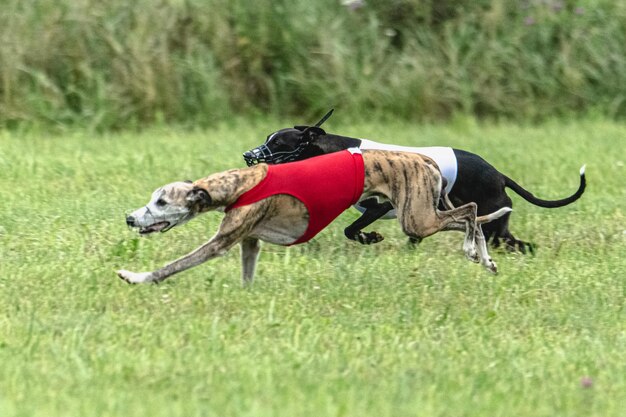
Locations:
(118, 64)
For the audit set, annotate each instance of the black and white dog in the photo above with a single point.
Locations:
(468, 178)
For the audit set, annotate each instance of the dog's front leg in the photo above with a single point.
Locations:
(215, 247)
(250, 249)
(373, 212)
(235, 227)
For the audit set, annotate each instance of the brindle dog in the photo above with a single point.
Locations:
(411, 182)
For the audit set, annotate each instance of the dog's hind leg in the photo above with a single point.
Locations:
(423, 224)
(483, 253)
(444, 204)
(373, 212)
(464, 216)
(481, 242)
(250, 248)
(512, 244)
(464, 219)
(497, 232)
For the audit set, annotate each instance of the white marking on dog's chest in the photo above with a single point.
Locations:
(443, 156)
(280, 231)
(276, 236)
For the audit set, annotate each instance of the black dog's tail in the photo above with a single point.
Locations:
(548, 203)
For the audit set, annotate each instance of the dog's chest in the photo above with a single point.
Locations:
(280, 231)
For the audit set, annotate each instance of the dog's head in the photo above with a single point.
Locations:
(169, 206)
(285, 145)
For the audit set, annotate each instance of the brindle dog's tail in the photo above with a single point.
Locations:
(526, 195)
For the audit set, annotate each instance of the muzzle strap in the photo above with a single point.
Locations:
(263, 154)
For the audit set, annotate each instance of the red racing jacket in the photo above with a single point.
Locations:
(327, 185)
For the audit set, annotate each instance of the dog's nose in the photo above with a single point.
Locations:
(250, 158)
(130, 221)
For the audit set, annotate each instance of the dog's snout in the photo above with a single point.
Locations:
(250, 157)
(130, 221)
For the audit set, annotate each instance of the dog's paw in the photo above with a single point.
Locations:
(471, 251)
(472, 255)
(491, 266)
(134, 277)
(517, 246)
(369, 238)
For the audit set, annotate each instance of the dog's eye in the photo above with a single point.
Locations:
(160, 202)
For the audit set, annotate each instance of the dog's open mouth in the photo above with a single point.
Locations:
(157, 227)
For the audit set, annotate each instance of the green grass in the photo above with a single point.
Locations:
(330, 328)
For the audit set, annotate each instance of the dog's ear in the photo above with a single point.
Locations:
(316, 129)
(326, 116)
(199, 196)
(312, 132)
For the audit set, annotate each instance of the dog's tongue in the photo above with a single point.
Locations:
(157, 227)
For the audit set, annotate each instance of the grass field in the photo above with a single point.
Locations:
(330, 328)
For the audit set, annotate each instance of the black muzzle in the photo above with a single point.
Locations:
(263, 154)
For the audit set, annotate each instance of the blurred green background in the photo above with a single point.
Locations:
(117, 64)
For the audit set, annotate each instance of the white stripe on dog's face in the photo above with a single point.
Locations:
(167, 208)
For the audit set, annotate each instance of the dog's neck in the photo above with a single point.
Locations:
(329, 143)
(226, 187)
